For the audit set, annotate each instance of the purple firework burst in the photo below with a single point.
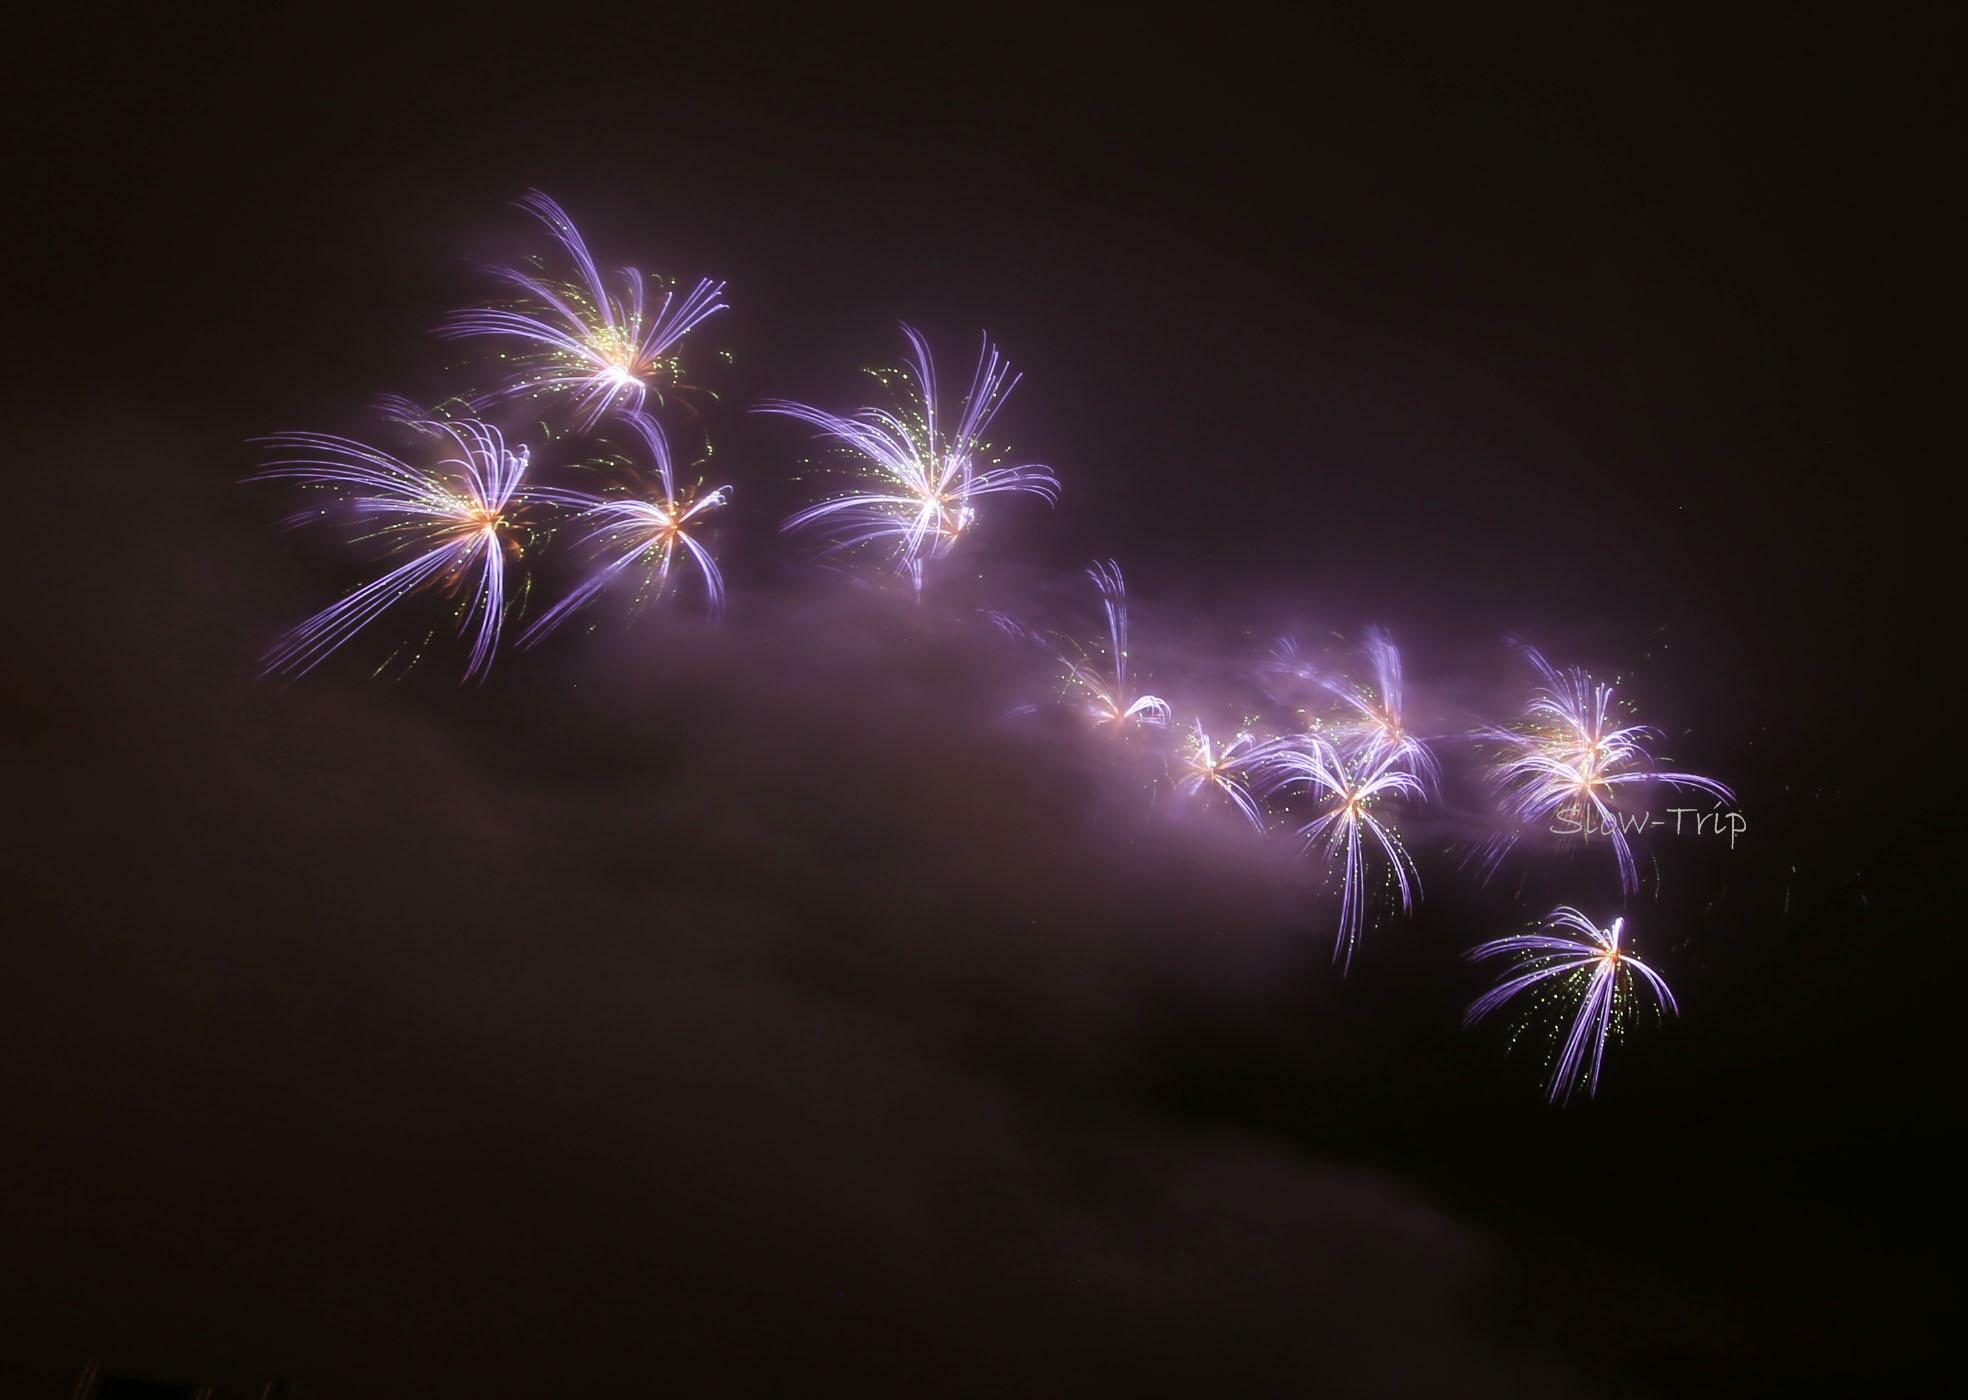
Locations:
(923, 470)
(1586, 975)
(572, 335)
(643, 538)
(1567, 761)
(457, 517)
(1347, 791)
(1204, 769)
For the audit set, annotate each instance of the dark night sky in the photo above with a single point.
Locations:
(728, 1012)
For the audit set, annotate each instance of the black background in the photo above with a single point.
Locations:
(737, 1012)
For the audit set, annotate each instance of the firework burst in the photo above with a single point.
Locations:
(1376, 727)
(643, 536)
(1565, 764)
(573, 336)
(1104, 690)
(1347, 791)
(1203, 769)
(458, 519)
(1572, 967)
(1373, 724)
(924, 472)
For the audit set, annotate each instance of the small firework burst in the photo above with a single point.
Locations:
(1100, 687)
(643, 535)
(1204, 770)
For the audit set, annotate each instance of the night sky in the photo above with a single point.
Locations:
(749, 1010)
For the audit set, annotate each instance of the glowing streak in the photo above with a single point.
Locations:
(1591, 969)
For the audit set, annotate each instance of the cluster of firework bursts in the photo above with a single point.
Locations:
(1349, 770)
(456, 521)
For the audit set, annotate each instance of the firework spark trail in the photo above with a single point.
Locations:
(925, 476)
(650, 531)
(576, 337)
(1565, 761)
(1204, 769)
(457, 515)
(1348, 790)
(1591, 967)
(408, 413)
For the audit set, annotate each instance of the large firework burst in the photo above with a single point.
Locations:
(1587, 976)
(1346, 793)
(1565, 764)
(923, 469)
(456, 515)
(572, 336)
